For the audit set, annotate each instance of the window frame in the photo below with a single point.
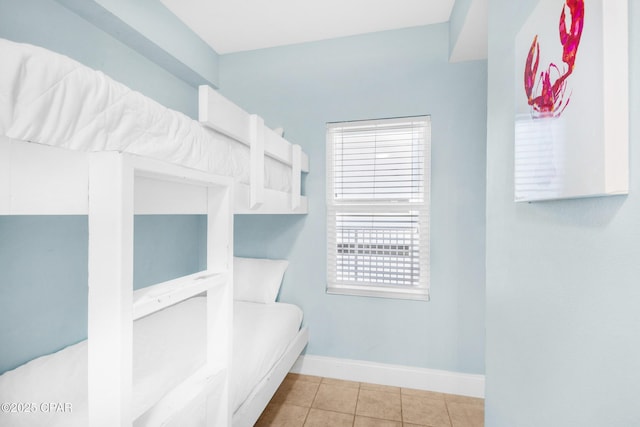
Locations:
(391, 206)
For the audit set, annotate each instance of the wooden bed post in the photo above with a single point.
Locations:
(296, 180)
(110, 325)
(220, 299)
(256, 145)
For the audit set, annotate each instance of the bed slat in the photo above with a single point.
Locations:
(154, 298)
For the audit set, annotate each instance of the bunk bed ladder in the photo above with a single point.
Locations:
(114, 306)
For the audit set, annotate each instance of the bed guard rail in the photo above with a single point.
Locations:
(222, 115)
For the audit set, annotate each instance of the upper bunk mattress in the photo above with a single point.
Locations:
(51, 99)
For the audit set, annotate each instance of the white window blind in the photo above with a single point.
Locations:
(378, 207)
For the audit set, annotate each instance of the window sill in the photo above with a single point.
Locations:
(379, 292)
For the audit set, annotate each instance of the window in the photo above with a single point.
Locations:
(378, 207)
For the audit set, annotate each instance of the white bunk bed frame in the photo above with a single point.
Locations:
(218, 113)
(42, 179)
(111, 187)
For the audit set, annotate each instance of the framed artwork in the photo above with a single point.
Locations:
(572, 101)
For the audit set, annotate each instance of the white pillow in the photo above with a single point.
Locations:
(257, 279)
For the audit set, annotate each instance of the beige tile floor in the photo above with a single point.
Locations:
(309, 401)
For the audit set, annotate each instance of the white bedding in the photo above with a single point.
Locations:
(51, 99)
(168, 346)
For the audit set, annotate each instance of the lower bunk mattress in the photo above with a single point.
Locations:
(167, 347)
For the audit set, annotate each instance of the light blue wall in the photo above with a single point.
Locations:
(168, 246)
(43, 275)
(43, 286)
(563, 294)
(389, 74)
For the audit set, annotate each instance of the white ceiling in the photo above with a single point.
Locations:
(239, 25)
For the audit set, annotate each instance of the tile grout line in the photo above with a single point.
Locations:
(355, 410)
(401, 411)
(446, 405)
(312, 402)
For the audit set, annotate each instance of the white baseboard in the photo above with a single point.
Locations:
(393, 375)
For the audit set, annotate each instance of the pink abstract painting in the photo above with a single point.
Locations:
(571, 100)
(547, 91)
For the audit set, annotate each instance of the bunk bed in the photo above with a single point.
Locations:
(74, 142)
